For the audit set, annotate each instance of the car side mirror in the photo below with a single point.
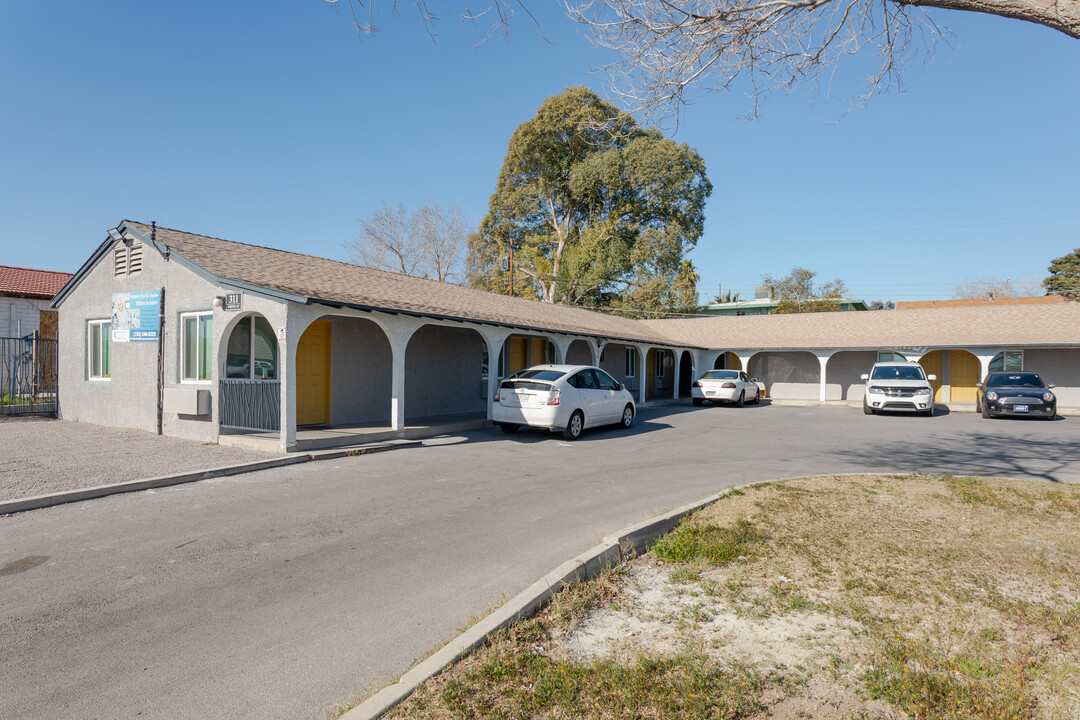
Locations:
(865, 376)
(753, 380)
(931, 377)
(1052, 385)
(618, 386)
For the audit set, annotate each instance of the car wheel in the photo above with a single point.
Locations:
(867, 410)
(742, 399)
(757, 397)
(1051, 416)
(928, 413)
(986, 411)
(627, 416)
(698, 402)
(573, 429)
(509, 428)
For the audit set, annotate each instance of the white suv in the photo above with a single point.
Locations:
(898, 386)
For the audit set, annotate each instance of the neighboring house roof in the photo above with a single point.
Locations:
(985, 326)
(25, 282)
(760, 303)
(980, 302)
(338, 283)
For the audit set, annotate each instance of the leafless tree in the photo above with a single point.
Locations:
(995, 287)
(664, 48)
(430, 242)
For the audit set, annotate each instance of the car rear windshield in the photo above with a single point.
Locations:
(721, 375)
(1030, 380)
(549, 375)
(519, 384)
(898, 372)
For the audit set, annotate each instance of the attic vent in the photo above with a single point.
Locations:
(135, 259)
(120, 263)
(127, 260)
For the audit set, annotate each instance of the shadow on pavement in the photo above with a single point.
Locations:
(976, 454)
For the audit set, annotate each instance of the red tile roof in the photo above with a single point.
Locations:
(31, 283)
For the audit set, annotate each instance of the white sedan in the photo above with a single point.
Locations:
(569, 398)
(730, 386)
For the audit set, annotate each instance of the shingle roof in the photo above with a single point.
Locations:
(331, 281)
(994, 326)
(31, 283)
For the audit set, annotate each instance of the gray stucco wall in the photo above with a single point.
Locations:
(579, 353)
(20, 316)
(361, 372)
(129, 398)
(614, 363)
(787, 375)
(843, 375)
(443, 368)
(1060, 367)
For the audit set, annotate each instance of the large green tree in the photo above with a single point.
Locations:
(597, 210)
(1064, 278)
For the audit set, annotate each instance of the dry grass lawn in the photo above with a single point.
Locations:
(835, 597)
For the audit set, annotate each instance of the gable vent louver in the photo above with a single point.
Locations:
(120, 261)
(135, 259)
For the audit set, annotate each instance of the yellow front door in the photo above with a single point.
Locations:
(933, 365)
(964, 372)
(313, 375)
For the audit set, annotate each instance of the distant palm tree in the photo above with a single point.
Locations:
(726, 297)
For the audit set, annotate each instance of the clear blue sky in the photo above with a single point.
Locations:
(273, 124)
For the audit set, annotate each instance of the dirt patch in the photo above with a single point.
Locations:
(42, 455)
(854, 597)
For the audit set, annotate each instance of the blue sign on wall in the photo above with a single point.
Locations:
(135, 316)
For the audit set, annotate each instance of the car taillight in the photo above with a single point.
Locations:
(728, 386)
(553, 397)
(697, 384)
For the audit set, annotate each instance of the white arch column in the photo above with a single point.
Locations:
(290, 326)
(643, 382)
(823, 360)
(400, 330)
(562, 344)
(598, 350)
(495, 339)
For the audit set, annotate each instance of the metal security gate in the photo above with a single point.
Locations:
(27, 375)
(251, 404)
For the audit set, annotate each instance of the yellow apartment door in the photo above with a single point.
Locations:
(313, 375)
(964, 369)
(517, 356)
(932, 365)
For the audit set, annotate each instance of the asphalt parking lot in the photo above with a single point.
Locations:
(282, 593)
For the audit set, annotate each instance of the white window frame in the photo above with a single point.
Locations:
(661, 357)
(103, 323)
(183, 348)
(631, 362)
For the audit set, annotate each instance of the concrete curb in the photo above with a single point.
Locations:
(38, 502)
(632, 540)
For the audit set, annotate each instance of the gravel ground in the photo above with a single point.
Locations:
(41, 455)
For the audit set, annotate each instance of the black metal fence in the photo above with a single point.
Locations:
(27, 375)
(251, 404)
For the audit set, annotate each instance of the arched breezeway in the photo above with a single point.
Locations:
(660, 373)
(727, 361)
(787, 375)
(686, 373)
(443, 373)
(844, 371)
(957, 373)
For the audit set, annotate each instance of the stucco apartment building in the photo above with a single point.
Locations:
(209, 339)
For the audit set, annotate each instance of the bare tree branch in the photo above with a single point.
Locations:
(430, 242)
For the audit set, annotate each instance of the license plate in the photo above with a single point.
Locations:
(1020, 408)
(710, 393)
